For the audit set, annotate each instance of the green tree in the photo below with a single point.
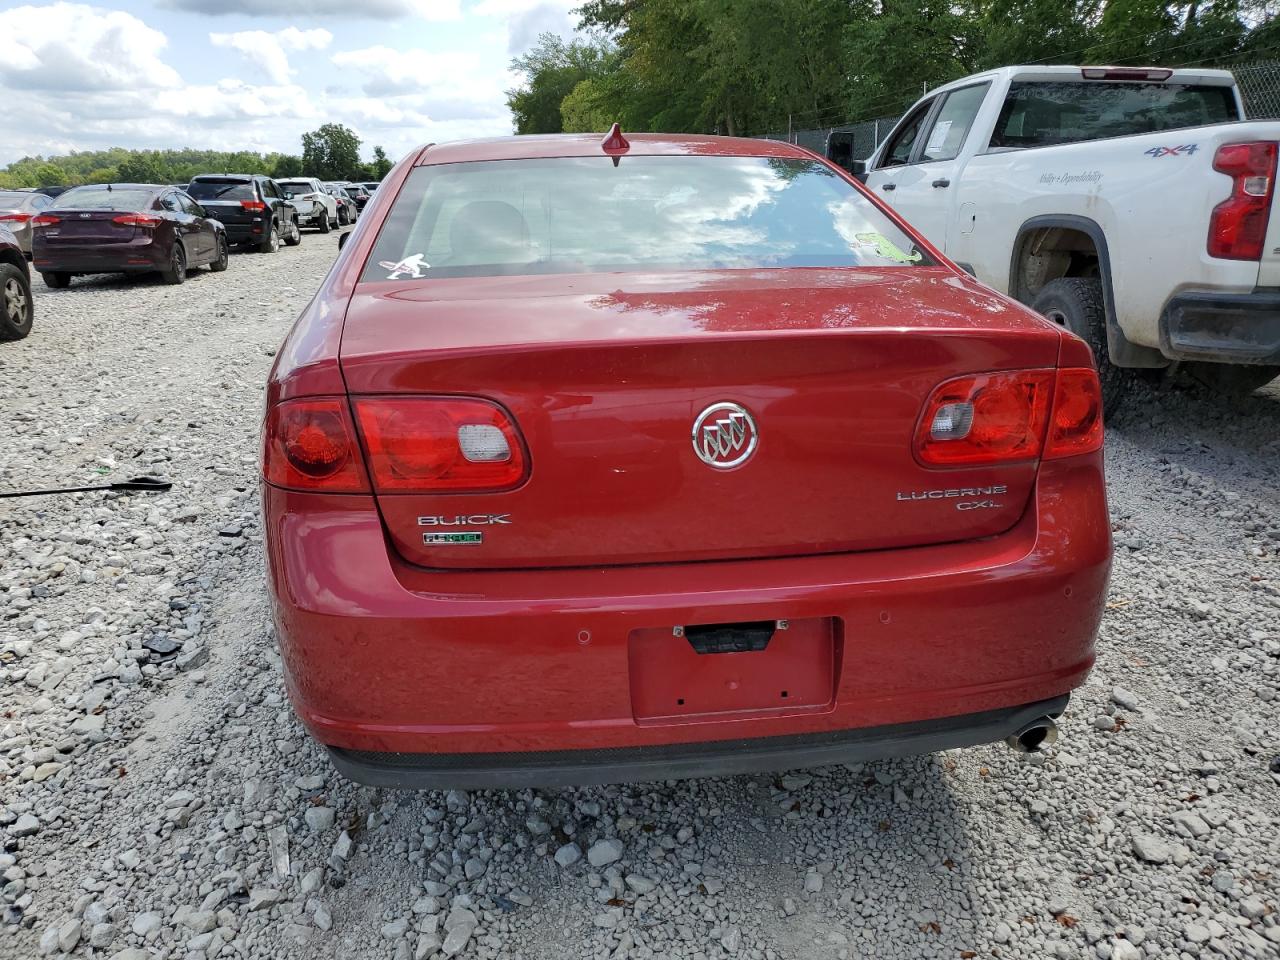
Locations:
(331, 153)
(285, 165)
(552, 69)
(381, 164)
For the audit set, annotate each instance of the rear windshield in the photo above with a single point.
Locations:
(1039, 114)
(296, 186)
(221, 190)
(100, 198)
(583, 214)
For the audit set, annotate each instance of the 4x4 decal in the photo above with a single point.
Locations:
(1185, 150)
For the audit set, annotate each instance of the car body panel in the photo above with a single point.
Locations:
(538, 660)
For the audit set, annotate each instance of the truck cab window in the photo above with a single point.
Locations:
(951, 126)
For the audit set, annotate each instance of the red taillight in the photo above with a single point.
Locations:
(136, 220)
(14, 217)
(310, 445)
(986, 418)
(1004, 417)
(45, 220)
(439, 444)
(1076, 424)
(1238, 226)
(257, 206)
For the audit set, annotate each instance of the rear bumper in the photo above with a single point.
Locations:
(1228, 328)
(934, 647)
(721, 758)
(140, 254)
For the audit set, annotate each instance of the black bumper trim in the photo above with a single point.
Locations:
(1223, 327)
(483, 771)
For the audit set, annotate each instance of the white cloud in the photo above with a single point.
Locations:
(267, 51)
(89, 50)
(352, 9)
(526, 20)
(455, 75)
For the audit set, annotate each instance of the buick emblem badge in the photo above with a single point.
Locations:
(724, 435)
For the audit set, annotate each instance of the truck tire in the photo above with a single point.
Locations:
(1076, 303)
(1232, 379)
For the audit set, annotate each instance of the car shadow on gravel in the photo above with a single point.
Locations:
(1228, 439)
(811, 863)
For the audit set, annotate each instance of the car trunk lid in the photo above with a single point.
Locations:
(94, 227)
(606, 375)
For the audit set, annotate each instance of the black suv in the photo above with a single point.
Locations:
(253, 208)
(16, 308)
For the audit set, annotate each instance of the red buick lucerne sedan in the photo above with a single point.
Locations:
(666, 457)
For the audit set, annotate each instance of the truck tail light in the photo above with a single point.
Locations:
(254, 206)
(136, 220)
(1238, 225)
(310, 445)
(1005, 417)
(439, 445)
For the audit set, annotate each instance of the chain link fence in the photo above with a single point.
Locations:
(1259, 86)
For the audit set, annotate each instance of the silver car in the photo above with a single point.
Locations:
(17, 207)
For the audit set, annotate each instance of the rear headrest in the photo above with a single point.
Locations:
(489, 231)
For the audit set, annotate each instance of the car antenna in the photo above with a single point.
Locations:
(137, 484)
(615, 144)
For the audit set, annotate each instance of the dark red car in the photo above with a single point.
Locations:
(125, 228)
(677, 457)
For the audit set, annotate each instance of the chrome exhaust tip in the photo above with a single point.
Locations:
(1036, 735)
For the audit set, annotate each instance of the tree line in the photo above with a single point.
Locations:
(329, 153)
(745, 67)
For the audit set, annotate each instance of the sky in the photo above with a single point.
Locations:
(257, 74)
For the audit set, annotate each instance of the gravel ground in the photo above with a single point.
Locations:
(158, 799)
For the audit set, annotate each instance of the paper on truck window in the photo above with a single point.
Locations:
(938, 137)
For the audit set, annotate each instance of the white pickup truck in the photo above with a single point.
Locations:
(1131, 205)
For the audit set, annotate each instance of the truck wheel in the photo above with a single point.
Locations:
(1076, 303)
(16, 307)
(1232, 379)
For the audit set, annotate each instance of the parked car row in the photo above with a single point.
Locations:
(165, 229)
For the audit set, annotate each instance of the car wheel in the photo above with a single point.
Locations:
(1076, 303)
(324, 224)
(1232, 379)
(57, 280)
(271, 242)
(292, 234)
(344, 218)
(16, 306)
(223, 258)
(176, 272)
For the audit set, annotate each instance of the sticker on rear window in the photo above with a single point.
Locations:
(413, 266)
(886, 248)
